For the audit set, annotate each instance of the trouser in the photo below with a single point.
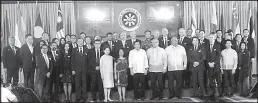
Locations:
(175, 75)
(244, 81)
(46, 89)
(29, 77)
(139, 85)
(198, 79)
(236, 77)
(81, 86)
(214, 74)
(186, 77)
(55, 81)
(13, 73)
(229, 81)
(96, 85)
(130, 81)
(157, 90)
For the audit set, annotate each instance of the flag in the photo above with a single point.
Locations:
(202, 27)
(250, 23)
(68, 24)
(38, 28)
(221, 24)
(28, 26)
(5, 32)
(59, 26)
(193, 20)
(20, 28)
(47, 24)
(235, 22)
(214, 21)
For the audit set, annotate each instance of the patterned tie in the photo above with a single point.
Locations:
(97, 59)
(13, 48)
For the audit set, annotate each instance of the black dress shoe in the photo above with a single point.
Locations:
(230, 95)
(135, 98)
(178, 97)
(142, 98)
(170, 97)
(221, 96)
(160, 98)
(152, 98)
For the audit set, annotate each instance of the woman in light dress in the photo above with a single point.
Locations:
(106, 71)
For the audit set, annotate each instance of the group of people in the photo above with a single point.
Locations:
(129, 63)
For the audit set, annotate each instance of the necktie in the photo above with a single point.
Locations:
(54, 55)
(211, 47)
(110, 44)
(13, 48)
(237, 47)
(195, 48)
(46, 60)
(81, 50)
(181, 40)
(123, 43)
(97, 58)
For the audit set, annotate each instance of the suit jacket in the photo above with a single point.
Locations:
(129, 45)
(11, 60)
(42, 65)
(187, 42)
(27, 59)
(205, 44)
(196, 56)
(92, 59)
(214, 55)
(79, 60)
(161, 42)
(87, 49)
(117, 45)
(222, 44)
(56, 62)
(234, 46)
(250, 46)
(244, 59)
(106, 44)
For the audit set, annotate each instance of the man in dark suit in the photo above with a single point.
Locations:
(45, 67)
(55, 79)
(45, 37)
(251, 48)
(96, 82)
(186, 43)
(117, 44)
(27, 58)
(79, 69)
(129, 45)
(189, 33)
(236, 42)
(164, 41)
(203, 44)
(11, 61)
(196, 57)
(73, 41)
(213, 65)
(109, 43)
(220, 39)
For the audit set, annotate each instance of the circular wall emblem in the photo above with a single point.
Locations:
(129, 19)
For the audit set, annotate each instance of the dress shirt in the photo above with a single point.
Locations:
(165, 39)
(89, 46)
(211, 46)
(46, 60)
(176, 57)
(181, 40)
(138, 60)
(54, 54)
(31, 48)
(123, 41)
(80, 49)
(228, 59)
(157, 59)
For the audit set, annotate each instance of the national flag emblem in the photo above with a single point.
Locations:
(59, 26)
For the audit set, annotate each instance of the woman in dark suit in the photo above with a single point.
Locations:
(66, 71)
(243, 65)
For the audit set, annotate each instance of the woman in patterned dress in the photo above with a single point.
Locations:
(66, 72)
(106, 71)
(121, 65)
